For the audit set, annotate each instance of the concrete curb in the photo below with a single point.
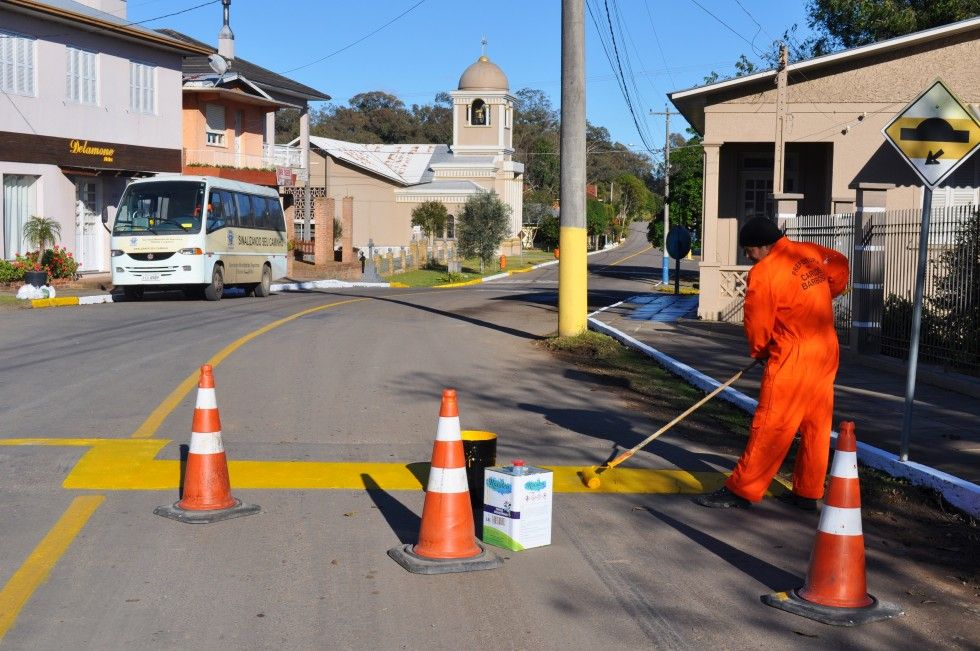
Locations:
(960, 493)
(321, 284)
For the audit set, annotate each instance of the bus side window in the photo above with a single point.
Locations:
(278, 222)
(216, 213)
(260, 208)
(245, 219)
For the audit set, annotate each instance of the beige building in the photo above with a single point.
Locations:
(836, 159)
(388, 181)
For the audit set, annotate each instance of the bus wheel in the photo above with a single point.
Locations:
(214, 291)
(263, 288)
(133, 293)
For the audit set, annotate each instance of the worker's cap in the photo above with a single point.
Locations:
(759, 231)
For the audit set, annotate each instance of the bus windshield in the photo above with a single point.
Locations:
(161, 207)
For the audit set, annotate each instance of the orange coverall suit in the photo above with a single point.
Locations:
(789, 322)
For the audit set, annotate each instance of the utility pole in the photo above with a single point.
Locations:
(782, 78)
(572, 265)
(666, 113)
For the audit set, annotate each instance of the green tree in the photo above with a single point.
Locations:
(844, 24)
(482, 226)
(40, 231)
(431, 217)
(633, 199)
(435, 121)
(686, 182)
(598, 218)
(549, 234)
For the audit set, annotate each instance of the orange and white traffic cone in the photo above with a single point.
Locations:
(447, 542)
(207, 489)
(835, 590)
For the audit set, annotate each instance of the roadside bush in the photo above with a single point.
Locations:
(10, 273)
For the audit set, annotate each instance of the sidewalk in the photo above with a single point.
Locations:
(945, 424)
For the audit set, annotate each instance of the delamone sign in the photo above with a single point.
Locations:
(88, 154)
(84, 149)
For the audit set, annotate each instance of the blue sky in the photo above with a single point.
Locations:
(671, 45)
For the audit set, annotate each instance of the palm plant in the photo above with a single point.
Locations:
(39, 231)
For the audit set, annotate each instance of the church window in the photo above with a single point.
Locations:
(479, 113)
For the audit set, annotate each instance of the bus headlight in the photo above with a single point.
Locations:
(116, 253)
(191, 251)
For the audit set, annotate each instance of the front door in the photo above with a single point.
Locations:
(88, 227)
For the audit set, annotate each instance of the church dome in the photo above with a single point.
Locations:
(483, 75)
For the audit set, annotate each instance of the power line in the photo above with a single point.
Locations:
(350, 45)
(659, 44)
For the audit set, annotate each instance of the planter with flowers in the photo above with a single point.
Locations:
(36, 267)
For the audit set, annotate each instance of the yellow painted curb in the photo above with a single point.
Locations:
(54, 302)
(398, 285)
(450, 285)
(521, 271)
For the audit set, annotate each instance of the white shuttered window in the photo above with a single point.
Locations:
(215, 130)
(16, 64)
(81, 78)
(142, 88)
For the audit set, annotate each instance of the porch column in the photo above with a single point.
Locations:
(323, 241)
(270, 128)
(868, 264)
(304, 141)
(347, 224)
(709, 301)
(842, 205)
(787, 206)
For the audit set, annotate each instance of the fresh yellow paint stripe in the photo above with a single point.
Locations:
(54, 302)
(152, 423)
(42, 560)
(125, 464)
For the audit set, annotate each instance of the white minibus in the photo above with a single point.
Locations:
(200, 234)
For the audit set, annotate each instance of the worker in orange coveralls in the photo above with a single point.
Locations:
(789, 323)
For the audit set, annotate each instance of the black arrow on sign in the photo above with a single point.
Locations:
(933, 159)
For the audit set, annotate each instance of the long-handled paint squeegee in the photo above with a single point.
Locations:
(590, 476)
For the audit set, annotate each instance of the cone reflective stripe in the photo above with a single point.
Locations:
(447, 517)
(835, 590)
(206, 486)
(447, 542)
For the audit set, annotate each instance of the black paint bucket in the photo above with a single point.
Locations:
(480, 450)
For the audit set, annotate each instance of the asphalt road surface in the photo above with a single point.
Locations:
(96, 402)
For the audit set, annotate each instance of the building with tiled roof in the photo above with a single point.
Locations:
(387, 181)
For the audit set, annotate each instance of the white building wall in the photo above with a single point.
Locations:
(51, 114)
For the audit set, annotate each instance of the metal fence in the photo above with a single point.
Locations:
(950, 334)
(834, 232)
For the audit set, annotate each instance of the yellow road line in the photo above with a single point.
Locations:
(613, 264)
(158, 415)
(42, 560)
(126, 464)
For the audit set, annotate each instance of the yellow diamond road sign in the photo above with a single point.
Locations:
(935, 133)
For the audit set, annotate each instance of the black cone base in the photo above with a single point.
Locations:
(407, 558)
(205, 517)
(791, 602)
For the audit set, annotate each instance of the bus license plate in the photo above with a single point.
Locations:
(151, 276)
